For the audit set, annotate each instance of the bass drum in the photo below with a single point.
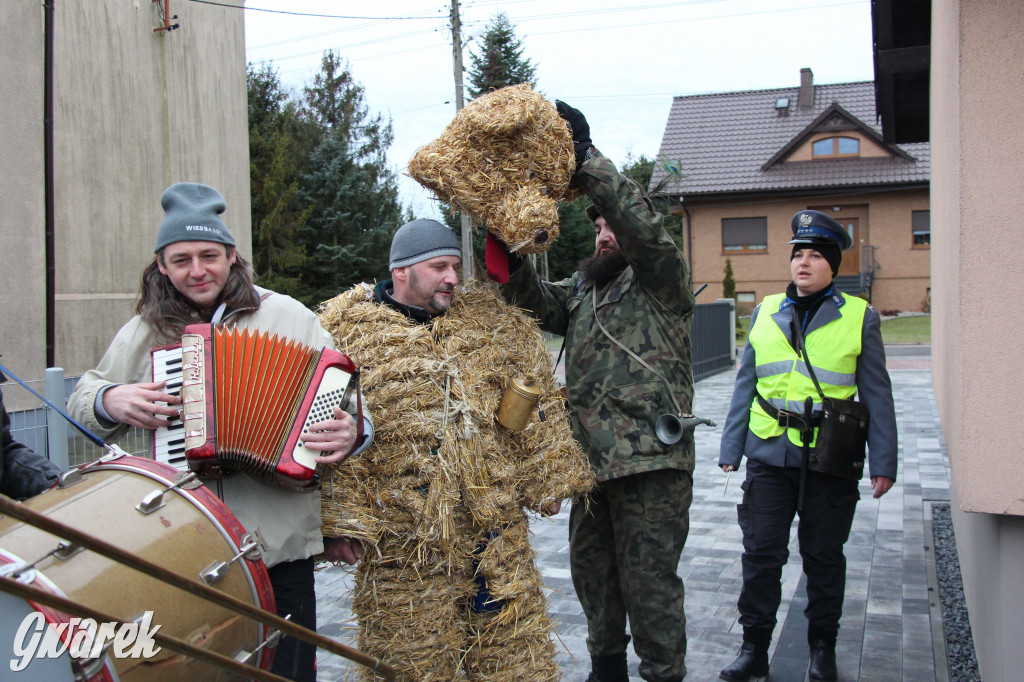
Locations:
(192, 530)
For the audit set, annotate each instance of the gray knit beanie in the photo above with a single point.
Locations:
(192, 215)
(420, 240)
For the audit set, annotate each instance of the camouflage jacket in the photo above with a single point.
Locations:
(614, 400)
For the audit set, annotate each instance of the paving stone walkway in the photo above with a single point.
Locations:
(890, 628)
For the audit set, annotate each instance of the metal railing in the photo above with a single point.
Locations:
(45, 431)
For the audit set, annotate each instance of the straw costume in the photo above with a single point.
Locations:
(506, 160)
(447, 588)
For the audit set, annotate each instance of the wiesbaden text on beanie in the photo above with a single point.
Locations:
(192, 214)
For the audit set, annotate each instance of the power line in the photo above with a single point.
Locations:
(298, 14)
(365, 59)
(541, 17)
(355, 27)
(339, 48)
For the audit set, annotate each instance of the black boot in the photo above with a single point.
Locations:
(823, 660)
(752, 662)
(611, 668)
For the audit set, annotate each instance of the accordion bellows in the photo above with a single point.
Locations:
(247, 397)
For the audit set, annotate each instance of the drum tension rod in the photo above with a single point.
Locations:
(249, 548)
(273, 637)
(25, 572)
(70, 477)
(155, 500)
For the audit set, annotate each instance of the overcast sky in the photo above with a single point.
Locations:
(619, 62)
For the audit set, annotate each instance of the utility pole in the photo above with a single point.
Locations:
(468, 270)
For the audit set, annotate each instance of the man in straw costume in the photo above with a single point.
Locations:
(626, 318)
(436, 508)
(197, 276)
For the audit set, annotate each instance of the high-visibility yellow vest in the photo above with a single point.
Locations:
(782, 377)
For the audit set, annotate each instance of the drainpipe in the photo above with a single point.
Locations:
(51, 270)
(689, 237)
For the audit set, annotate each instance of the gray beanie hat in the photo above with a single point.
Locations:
(421, 240)
(192, 215)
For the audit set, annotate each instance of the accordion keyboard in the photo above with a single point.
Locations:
(169, 441)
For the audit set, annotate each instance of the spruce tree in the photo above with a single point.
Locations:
(324, 201)
(274, 170)
(351, 193)
(728, 282)
(499, 61)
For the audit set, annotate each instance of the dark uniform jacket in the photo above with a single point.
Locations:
(614, 400)
(873, 388)
(23, 473)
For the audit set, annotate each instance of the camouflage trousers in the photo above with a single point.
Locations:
(624, 554)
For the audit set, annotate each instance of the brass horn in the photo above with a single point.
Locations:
(669, 428)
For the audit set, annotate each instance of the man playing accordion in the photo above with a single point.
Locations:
(197, 276)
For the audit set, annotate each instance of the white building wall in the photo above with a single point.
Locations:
(135, 111)
(977, 84)
(22, 273)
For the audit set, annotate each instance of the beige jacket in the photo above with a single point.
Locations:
(289, 521)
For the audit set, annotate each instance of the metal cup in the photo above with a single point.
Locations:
(519, 401)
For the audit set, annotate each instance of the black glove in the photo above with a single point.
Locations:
(580, 130)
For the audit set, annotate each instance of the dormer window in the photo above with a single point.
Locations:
(836, 147)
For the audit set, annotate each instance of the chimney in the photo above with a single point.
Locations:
(806, 98)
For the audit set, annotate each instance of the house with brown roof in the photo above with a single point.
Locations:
(742, 163)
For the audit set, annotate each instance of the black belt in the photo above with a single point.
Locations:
(787, 419)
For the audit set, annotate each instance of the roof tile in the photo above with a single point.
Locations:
(720, 142)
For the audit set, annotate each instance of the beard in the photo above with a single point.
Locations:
(427, 295)
(601, 268)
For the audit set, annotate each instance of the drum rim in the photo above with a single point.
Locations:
(165, 473)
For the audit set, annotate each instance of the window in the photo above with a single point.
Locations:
(832, 147)
(921, 224)
(744, 234)
(744, 303)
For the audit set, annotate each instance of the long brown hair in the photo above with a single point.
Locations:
(167, 311)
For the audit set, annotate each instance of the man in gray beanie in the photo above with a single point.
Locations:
(424, 257)
(192, 212)
(197, 276)
(456, 484)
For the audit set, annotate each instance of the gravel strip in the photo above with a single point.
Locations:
(963, 664)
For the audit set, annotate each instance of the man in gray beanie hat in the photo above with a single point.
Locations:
(422, 239)
(192, 212)
(197, 276)
(424, 258)
(436, 363)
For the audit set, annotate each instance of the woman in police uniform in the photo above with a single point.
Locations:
(844, 344)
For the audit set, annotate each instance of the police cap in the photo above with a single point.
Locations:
(814, 227)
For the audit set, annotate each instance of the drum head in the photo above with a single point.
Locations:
(190, 532)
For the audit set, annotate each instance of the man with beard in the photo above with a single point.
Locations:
(625, 315)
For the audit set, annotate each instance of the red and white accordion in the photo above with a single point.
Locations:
(248, 396)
